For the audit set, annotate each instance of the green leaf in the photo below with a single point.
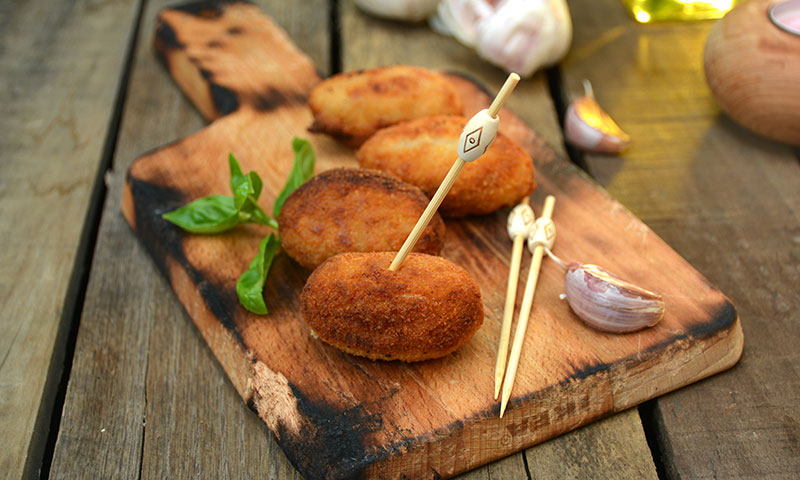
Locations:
(212, 214)
(246, 188)
(218, 213)
(302, 171)
(262, 218)
(236, 171)
(250, 286)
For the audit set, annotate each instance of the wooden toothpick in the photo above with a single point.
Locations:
(520, 221)
(541, 239)
(477, 136)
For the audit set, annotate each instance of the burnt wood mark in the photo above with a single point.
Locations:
(336, 439)
(164, 240)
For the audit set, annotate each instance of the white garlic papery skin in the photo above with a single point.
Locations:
(608, 303)
(411, 10)
(590, 128)
(460, 18)
(516, 35)
(524, 35)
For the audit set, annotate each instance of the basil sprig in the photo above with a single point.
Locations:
(250, 286)
(218, 213)
(302, 171)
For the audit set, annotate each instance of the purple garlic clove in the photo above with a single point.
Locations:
(609, 303)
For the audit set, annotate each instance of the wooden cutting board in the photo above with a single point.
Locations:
(340, 416)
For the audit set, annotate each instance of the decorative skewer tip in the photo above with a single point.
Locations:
(476, 138)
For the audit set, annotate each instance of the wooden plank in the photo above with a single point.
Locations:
(353, 426)
(59, 86)
(367, 41)
(138, 359)
(727, 201)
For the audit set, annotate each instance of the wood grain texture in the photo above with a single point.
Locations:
(359, 416)
(146, 397)
(727, 201)
(58, 93)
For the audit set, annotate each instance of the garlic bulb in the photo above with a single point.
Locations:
(608, 303)
(460, 18)
(411, 10)
(517, 35)
(524, 35)
(590, 128)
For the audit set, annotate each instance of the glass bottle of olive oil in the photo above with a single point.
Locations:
(645, 11)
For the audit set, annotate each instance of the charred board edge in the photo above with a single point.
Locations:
(209, 97)
(164, 242)
(338, 437)
(599, 376)
(213, 101)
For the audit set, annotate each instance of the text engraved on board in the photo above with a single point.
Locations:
(473, 139)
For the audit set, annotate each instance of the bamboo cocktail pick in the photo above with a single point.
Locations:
(476, 138)
(520, 223)
(542, 235)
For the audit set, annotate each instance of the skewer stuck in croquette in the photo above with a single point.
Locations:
(426, 309)
(422, 151)
(354, 210)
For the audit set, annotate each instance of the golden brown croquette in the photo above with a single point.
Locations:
(352, 106)
(426, 309)
(354, 210)
(422, 151)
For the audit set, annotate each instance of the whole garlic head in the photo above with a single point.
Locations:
(524, 35)
(411, 10)
(460, 18)
(518, 35)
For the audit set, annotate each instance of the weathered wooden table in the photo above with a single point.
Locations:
(104, 376)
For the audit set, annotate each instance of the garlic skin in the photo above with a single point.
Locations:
(524, 35)
(460, 18)
(518, 35)
(608, 303)
(410, 10)
(590, 128)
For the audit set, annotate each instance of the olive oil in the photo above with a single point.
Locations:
(645, 11)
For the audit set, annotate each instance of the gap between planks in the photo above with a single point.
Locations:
(79, 279)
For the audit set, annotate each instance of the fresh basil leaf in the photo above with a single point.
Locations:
(246, 198)
(246, 190)
(236, 170)
(258, 216)
(250, 286)
(302, 171)
(212, 214)
(241, 184)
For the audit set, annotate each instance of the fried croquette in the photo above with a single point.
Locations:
(422, 151)
(352, 106)
(426, 309)
(354, 210)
